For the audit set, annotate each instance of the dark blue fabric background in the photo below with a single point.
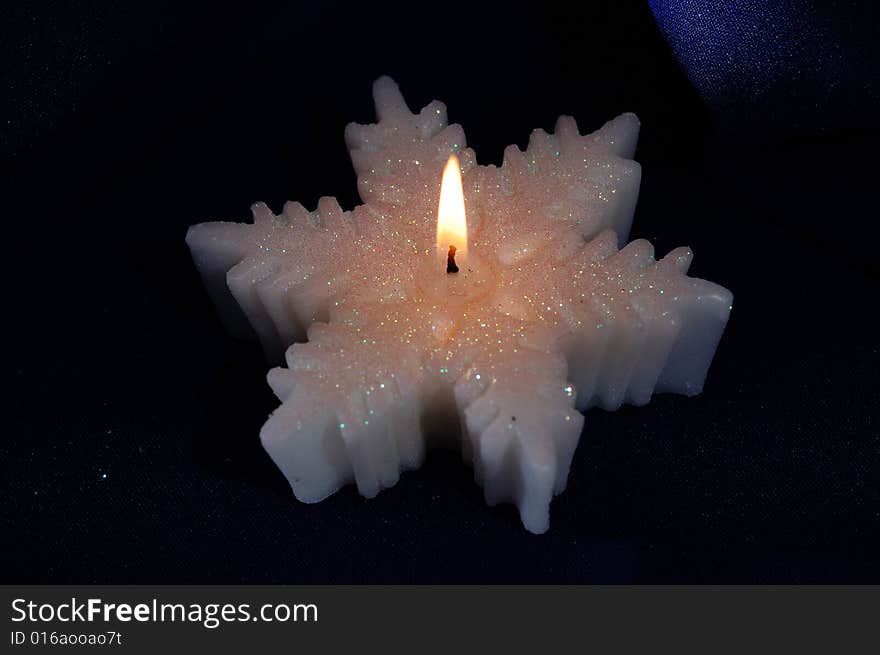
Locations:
(777, 69)
(130, 451)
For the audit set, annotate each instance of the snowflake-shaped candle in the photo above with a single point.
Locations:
(389, 352)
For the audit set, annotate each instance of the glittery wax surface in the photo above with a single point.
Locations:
(383, 360)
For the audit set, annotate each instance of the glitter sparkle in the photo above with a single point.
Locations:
(379, 365)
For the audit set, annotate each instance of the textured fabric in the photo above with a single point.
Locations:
(785, 65)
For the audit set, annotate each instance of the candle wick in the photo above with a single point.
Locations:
(451, 267)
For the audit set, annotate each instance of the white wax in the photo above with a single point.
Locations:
(391, 356)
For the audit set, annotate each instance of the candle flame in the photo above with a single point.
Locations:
(451, 221)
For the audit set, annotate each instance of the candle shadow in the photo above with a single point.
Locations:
(235, 402)
(162, 273)
(218, 387)
(444, 464)
(446, 478)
